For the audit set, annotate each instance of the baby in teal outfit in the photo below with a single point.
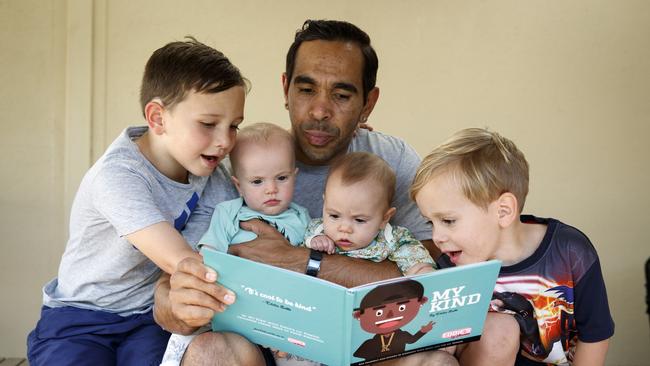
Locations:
(264, 172)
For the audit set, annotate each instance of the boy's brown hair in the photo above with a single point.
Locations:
(356, 167)
(484, 163)
(180, 67)
(259, 133)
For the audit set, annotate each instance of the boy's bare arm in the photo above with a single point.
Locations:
(590, 353)
(163, 244)
(272, 248)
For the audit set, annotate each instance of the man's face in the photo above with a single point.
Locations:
(325, 99)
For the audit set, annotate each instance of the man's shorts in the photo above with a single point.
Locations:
(72, 336)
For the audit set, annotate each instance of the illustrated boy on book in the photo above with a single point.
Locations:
(129, 209)
(473, 188)
(356, 210)
(386, 309)
(264, 172)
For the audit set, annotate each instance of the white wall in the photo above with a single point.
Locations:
(569, 82)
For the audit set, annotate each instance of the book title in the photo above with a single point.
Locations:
(277, 301)
(452, 298)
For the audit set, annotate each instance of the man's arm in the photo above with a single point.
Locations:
(272, 248)
(189, 298)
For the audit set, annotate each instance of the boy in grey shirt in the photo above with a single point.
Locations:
(130, 207)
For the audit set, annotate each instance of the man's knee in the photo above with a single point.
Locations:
(212, 348)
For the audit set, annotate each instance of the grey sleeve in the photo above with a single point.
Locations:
(218, 189)
(124, 196)
(408, 215)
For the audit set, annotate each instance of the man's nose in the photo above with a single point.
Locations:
(321, 108)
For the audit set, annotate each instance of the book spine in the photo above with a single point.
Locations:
(347, 341)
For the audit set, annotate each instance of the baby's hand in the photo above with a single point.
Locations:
(322, 243)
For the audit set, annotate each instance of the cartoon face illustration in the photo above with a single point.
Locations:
(387, 317)
(383, 311)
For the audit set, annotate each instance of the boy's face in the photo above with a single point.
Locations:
(200, 131)
(325, 99)
(354, 214)
(464, 231)
(266, 175)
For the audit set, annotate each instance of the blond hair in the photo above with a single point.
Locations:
(261, 133)
(357, 167)
(484, 163)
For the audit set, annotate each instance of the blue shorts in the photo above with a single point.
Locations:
(72, 336)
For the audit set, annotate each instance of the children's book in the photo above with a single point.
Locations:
(335, 325)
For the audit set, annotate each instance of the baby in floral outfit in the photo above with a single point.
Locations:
(356, 210)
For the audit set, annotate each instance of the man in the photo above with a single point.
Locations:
(329, 88)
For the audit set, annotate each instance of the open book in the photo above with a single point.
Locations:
(335, 325)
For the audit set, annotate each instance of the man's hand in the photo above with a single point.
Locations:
(270, 247)
(322, 243)
(194, 297)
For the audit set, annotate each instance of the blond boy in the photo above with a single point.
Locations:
(472, 188)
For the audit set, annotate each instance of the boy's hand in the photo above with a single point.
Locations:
(194, 296)
(323, 243)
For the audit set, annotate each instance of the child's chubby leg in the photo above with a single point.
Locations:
(499, 343)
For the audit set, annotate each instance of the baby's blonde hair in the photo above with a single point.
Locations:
(358, 167)
(484, 164)
(259, 133)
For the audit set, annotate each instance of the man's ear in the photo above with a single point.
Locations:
(371, 100)
(387, 216)
(236, 182)
(356, 314)
(507, 209)
(153, 113)
(424, 300)
(285, 87)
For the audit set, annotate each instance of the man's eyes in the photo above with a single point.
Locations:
(342, 97)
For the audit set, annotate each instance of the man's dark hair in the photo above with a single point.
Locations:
(180, 67)
(334, 30)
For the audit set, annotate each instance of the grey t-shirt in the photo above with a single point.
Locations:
(310, 185)
(119, 195)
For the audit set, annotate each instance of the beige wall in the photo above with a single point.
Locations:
(568, 81)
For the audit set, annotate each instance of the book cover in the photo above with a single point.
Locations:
(335, 325)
